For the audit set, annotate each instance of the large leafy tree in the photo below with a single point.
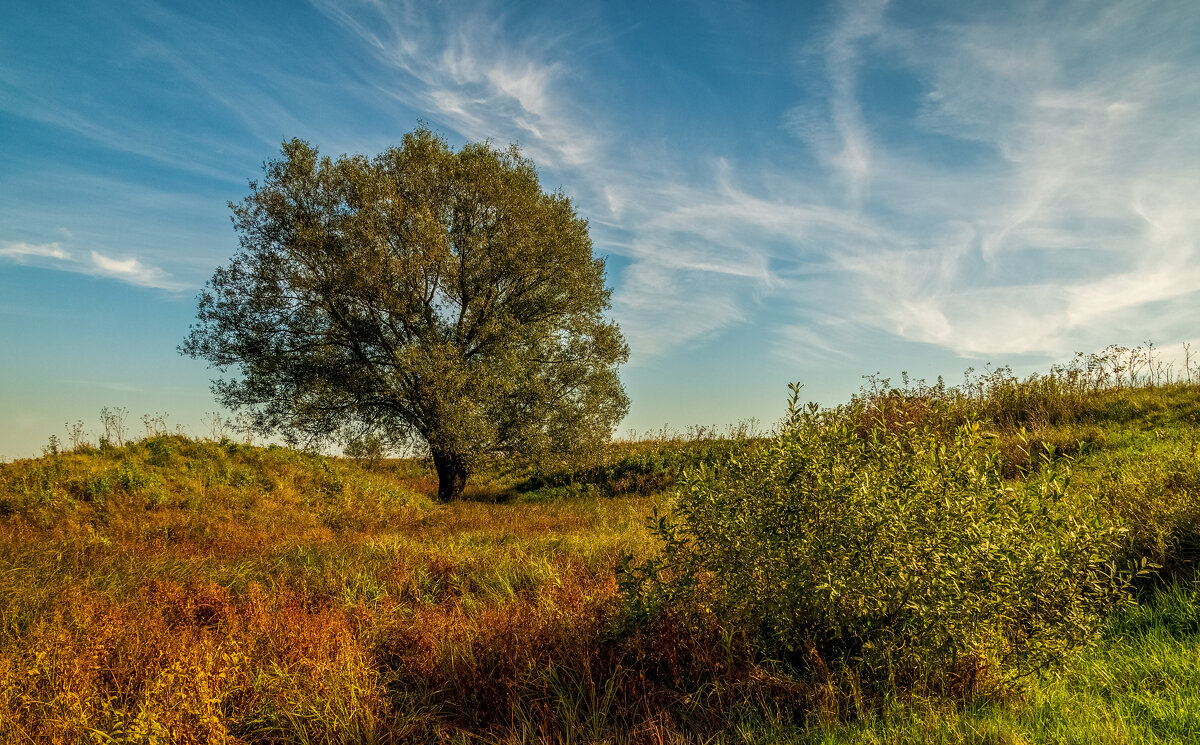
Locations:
(424, 295)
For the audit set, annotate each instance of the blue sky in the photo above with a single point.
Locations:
(798, 191)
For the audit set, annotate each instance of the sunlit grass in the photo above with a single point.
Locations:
(182, 591)
(175, 590)
(1140, 685)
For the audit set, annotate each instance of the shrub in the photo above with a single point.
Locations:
(132, 478)
(900, 554)
(160, 449)
(369, 448)
(92, 487)
(643, 468)
(1022, 452)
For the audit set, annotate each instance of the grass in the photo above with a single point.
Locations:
(174, 590)
(1141, 684)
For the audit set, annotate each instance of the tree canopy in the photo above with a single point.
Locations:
(423, 295)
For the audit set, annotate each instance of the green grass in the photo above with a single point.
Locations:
(1141, 684)
(176, 590)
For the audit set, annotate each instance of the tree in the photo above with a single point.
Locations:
(425, 295)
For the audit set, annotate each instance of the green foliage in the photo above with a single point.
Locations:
(160, 448)
(132, 478)
(825, 584)
(1139, 686)
(901, 554)
(369, 447)
(93, 487)
(1153, 485)
(39, 483)
(424, 295)
(1118, 386)
(53, 447)
(645, 468)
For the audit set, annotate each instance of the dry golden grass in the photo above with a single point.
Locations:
(226, 594)
(178, 591)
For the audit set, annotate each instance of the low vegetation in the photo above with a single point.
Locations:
(1007, 560)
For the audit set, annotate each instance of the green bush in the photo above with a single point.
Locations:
(132, 478)
(898, 553)
(160, 449)
(635, 468)
(91, 487)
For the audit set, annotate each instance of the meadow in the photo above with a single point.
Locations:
(1005, 560)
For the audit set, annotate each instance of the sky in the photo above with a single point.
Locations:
(783, 191)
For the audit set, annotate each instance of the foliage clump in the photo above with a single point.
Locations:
(898, 553)
(645, 467)
(425, 297)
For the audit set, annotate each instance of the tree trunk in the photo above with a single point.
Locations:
(452, 475)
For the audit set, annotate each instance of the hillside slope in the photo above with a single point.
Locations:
(176, 590)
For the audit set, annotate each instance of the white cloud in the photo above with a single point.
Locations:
(108, 128)
(1072, 222)
(852, 159)
(131, 270)
(1033, 197)
(471, 71)
(660, 307)
(53, 255)
(17, 251)
(822, 338)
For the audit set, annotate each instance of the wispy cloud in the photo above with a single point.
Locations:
(17, 251)
(822, 338)
(54, 256)
(1068, 225)
(475, 73)
(1054, 225)
(1027, 193)
(1028, 189)
(131, 270)
(109, 129)
(705, 254)
(832, 122)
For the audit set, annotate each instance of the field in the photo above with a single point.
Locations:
(172, 589)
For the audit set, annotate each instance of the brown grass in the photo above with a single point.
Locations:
(247, 595)
(177, 591)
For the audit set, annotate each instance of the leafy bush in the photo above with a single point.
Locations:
(1118, 385)
(132, 478)
(1022, 452)
(641, 468)
(92, 487)
(898, 553)
(369, 448)
(160, 449)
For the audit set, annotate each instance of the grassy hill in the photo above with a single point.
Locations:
(180, 590)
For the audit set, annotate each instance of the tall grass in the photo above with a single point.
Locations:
(174, 590)
(167, 589)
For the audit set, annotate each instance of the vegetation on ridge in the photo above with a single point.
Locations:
(169, 589)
